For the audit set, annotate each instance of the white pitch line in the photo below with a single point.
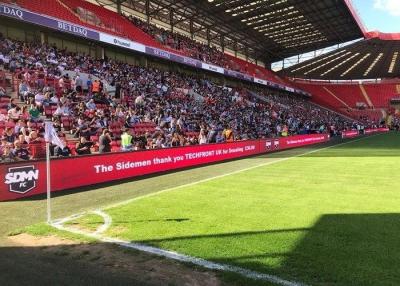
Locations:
(107, 222)
(181, 257)
(230, 173)
(59, 224)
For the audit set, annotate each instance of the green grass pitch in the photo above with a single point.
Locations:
(327, 218)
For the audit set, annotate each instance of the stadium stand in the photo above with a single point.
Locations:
(356, 99)
(77, 12)
(159, 109)
(92, 16)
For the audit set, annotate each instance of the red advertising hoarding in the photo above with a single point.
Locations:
(350, 134)
(293, 142)
(376, 130)
(369, 131)
(25, 179)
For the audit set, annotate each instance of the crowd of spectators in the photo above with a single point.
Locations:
(151, 108)
(179, 42)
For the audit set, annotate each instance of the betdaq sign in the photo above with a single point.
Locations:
(12, 12)
(63, 26)
(46, 21)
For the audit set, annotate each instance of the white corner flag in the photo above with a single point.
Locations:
(50, 135)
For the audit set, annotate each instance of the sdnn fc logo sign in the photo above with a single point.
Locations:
(21, 179)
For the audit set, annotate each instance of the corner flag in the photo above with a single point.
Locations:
(50, 136)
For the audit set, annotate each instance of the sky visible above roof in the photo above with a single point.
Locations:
(382, 15)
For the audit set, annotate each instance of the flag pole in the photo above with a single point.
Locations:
(48, 182)
(51, 138)
(48, 137)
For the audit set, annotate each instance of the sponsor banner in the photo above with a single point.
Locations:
(301, 140)
(376, 130)
(24, 15)
(121, 42)
(270, 83)
(212, 68)
(270, 145)
(172, 57)
(238, 75)
(350, 134)
(245, 77)
(186, 61)
(25, 179)
(158, 53)
(260, 81)
(370, 131)
(22, 180)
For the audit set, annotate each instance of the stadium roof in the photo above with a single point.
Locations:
(376, 57)
(267, 30)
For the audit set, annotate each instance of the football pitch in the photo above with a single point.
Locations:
(330, 217)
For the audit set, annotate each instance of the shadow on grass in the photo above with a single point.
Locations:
(62, 265)
(340, 249)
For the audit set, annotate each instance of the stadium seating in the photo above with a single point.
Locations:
(374, 97)
(110, 23)
(77, 11)
(381, 94)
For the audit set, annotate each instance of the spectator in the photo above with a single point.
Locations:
(202, 137)
(3, 92)
(62, 152)
(34, 113)
(126, 141)
(91, 105)
(83, 146)
(14, 113)
(20, 153)
(228, 134)
(9, 135)
(105, 142)
(7, 154)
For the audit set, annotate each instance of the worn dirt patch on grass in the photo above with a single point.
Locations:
(144, 269)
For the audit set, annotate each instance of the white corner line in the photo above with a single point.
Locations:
(231, 173)
(107, 222)
(183, 258)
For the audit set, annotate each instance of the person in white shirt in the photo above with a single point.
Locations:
(202, 137)
(91, 105)
(3, 117)
(14, 113)
(39, 98)
(54, 99)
